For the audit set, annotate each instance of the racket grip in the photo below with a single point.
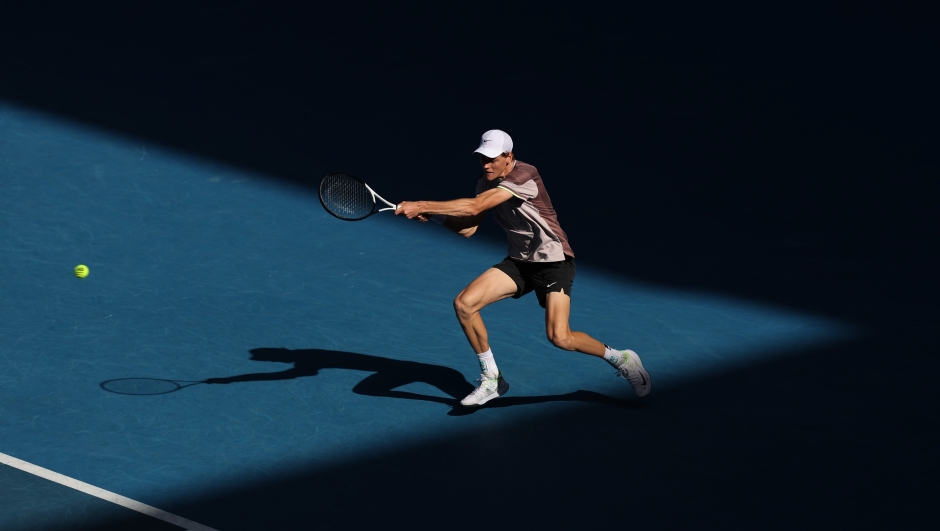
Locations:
(439, 219)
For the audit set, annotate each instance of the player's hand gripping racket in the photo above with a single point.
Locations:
(350, 199)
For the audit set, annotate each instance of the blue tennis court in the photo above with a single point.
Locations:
(332, 342)
(237, 358)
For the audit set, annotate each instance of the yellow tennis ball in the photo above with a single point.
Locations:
(81, 271)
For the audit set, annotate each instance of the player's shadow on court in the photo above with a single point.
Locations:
(390, 374)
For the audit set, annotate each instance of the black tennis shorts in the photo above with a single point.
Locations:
(541, 277)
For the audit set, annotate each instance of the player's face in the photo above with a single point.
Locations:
(496, 168)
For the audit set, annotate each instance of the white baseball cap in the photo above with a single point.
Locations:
(494, 143)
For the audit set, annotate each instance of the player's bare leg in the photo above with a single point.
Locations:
(493, 285)
(627, 362)
(557, 311)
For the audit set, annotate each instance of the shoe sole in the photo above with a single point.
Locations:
(501, 389)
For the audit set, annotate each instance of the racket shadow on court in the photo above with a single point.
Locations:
(389, 375)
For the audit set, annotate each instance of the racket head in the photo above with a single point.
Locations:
(346, 197)
(144, 386)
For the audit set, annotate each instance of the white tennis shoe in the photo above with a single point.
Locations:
(488, 389)
(631, 369)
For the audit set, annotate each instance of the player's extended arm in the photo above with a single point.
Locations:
(463, 215)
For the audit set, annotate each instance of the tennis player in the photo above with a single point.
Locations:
(539, 260)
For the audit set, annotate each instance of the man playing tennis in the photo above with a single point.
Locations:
(539, 260)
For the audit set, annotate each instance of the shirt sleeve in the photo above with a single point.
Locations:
(521, 185)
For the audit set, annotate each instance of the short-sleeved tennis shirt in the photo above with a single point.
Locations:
(528, 218)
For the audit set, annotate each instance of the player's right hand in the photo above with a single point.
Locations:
(409, 209)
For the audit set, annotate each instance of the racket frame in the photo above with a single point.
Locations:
(380, 198)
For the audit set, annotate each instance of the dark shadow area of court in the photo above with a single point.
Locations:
(787, 156)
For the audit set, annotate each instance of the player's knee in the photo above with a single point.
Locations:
(462, 307)
(561, 340)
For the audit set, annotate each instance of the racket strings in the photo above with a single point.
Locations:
(346, 197)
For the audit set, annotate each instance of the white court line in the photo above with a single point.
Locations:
(101, 493)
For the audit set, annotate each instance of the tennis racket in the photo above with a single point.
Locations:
(350, 199)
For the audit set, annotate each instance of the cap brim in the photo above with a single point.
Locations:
(489, 152)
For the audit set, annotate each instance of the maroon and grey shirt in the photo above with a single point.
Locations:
(528, 218)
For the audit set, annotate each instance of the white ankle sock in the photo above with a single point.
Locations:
(612, 356)
(488, 363)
